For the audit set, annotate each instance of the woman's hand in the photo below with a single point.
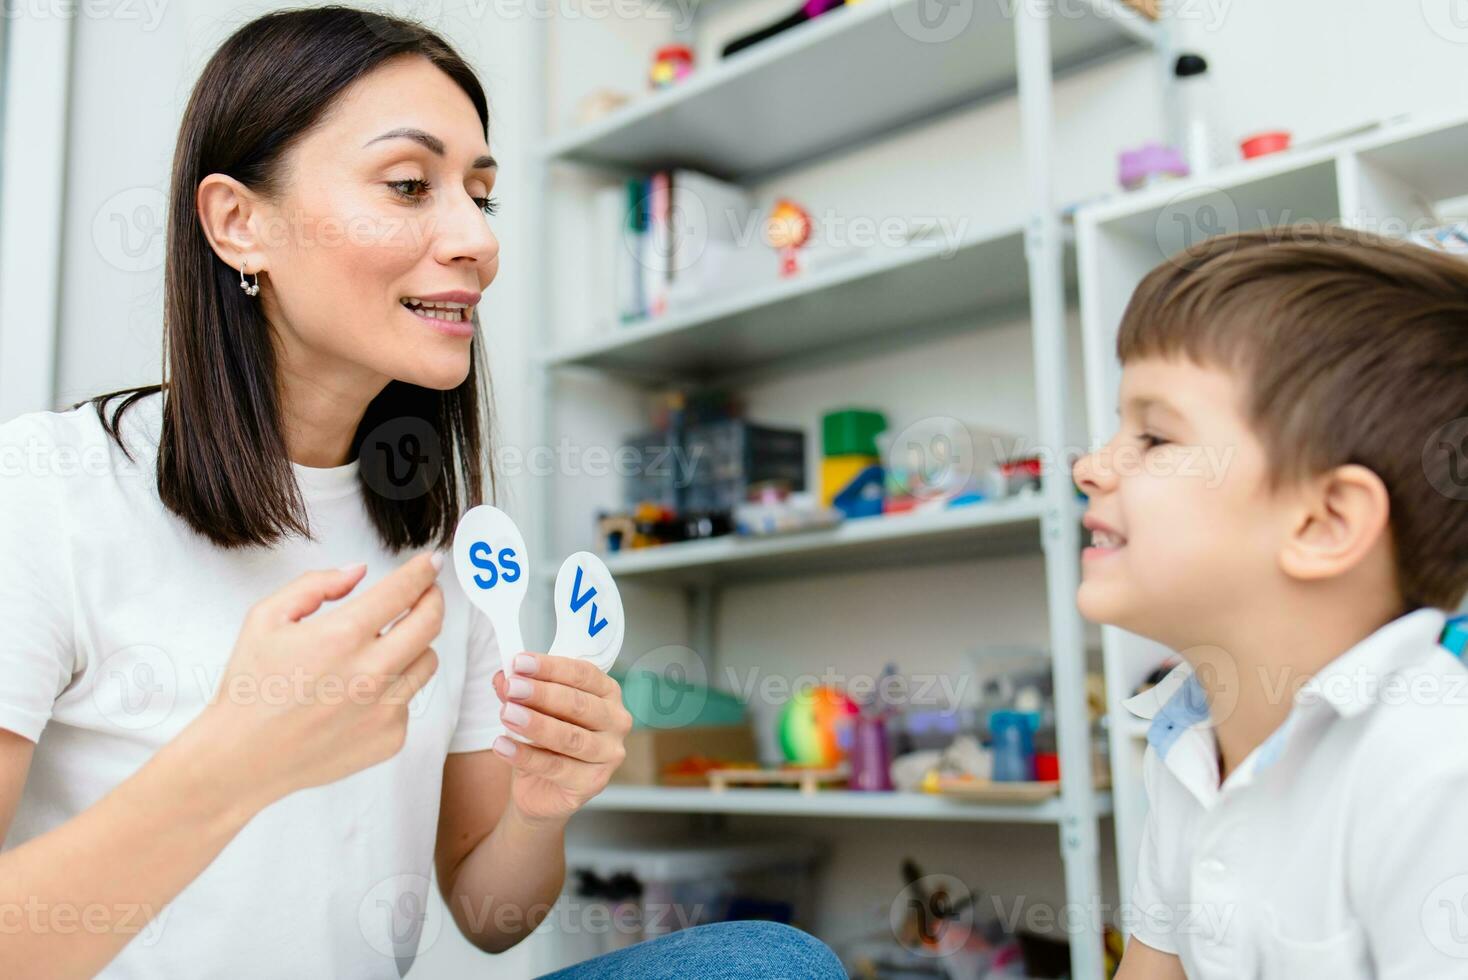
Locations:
(308, 699)
(574, 713)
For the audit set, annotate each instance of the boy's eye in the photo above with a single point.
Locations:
(1150, 441)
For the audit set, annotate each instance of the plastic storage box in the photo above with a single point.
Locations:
(617, 894)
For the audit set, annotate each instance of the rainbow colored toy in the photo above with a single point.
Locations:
(810, 724)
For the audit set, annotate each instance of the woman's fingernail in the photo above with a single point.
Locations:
(524, 663)
(519, 687)
(353, 567)
(504, 746)
(516, 714)
(436, 559)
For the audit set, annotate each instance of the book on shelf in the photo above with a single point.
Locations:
(669, 239)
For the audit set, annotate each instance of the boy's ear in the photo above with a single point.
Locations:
(1342, 516)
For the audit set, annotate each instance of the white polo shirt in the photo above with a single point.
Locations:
(1339, 847)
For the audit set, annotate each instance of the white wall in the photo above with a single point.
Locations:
(1311, 66)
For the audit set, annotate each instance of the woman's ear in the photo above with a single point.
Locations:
(1342, 517)
(225, 206)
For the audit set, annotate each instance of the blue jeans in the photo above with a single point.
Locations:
(743, 950)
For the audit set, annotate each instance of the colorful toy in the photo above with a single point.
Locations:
(809, 10)
(810, 726)
(1263, 144)
(862, 497)
(849, 451)
(671, 64)
(1149, 164)
(787, 229)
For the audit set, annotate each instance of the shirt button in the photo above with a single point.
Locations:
(1212, 867)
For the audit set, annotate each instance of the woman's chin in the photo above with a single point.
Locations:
(439, 373)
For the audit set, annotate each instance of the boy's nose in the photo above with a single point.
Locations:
(1089, 476)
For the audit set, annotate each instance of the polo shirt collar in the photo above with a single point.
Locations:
(1353, 681)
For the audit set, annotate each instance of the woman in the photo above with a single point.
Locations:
(262, 723)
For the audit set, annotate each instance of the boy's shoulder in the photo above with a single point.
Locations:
(1416, 725)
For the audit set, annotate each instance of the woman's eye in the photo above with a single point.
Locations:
(402, 187)
(415, 187)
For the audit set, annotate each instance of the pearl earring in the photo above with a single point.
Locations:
(250, 289)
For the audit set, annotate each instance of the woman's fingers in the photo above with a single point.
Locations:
(388, 597)
(581, 777)
(563, 737)
(566, 703)
(389, 653)
(412, 679)
(570, 672)
(305, 594)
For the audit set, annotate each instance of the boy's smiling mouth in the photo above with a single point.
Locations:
(1105, 540)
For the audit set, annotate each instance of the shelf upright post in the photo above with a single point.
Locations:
(538, 246)
(1060, 534)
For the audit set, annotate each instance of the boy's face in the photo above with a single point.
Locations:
(1182, 527)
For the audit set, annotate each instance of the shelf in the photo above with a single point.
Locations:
(859, 300)
(854, 74)
(828, 803)
(992, 529)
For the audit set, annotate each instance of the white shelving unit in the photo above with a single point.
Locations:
(834, 84)
(1388, 180)
(782, 802)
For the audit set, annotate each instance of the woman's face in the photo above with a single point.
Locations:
(385, 201)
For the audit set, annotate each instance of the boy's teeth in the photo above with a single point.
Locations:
(1105, 539)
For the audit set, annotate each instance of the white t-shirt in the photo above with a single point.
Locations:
(116, 622)
(1336, 848)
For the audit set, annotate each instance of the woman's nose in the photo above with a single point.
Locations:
(468, 236)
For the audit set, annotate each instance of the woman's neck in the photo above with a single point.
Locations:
(320, 415)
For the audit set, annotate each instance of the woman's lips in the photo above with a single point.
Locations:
(454, 328)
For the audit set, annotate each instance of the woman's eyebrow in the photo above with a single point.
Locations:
(434, 144)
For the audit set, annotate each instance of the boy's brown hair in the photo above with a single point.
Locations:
(1353, 349)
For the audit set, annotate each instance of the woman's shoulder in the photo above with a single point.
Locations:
(39, 448)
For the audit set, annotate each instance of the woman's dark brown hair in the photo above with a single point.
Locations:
(222, 460)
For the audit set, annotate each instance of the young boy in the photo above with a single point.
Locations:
(1286, 505)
